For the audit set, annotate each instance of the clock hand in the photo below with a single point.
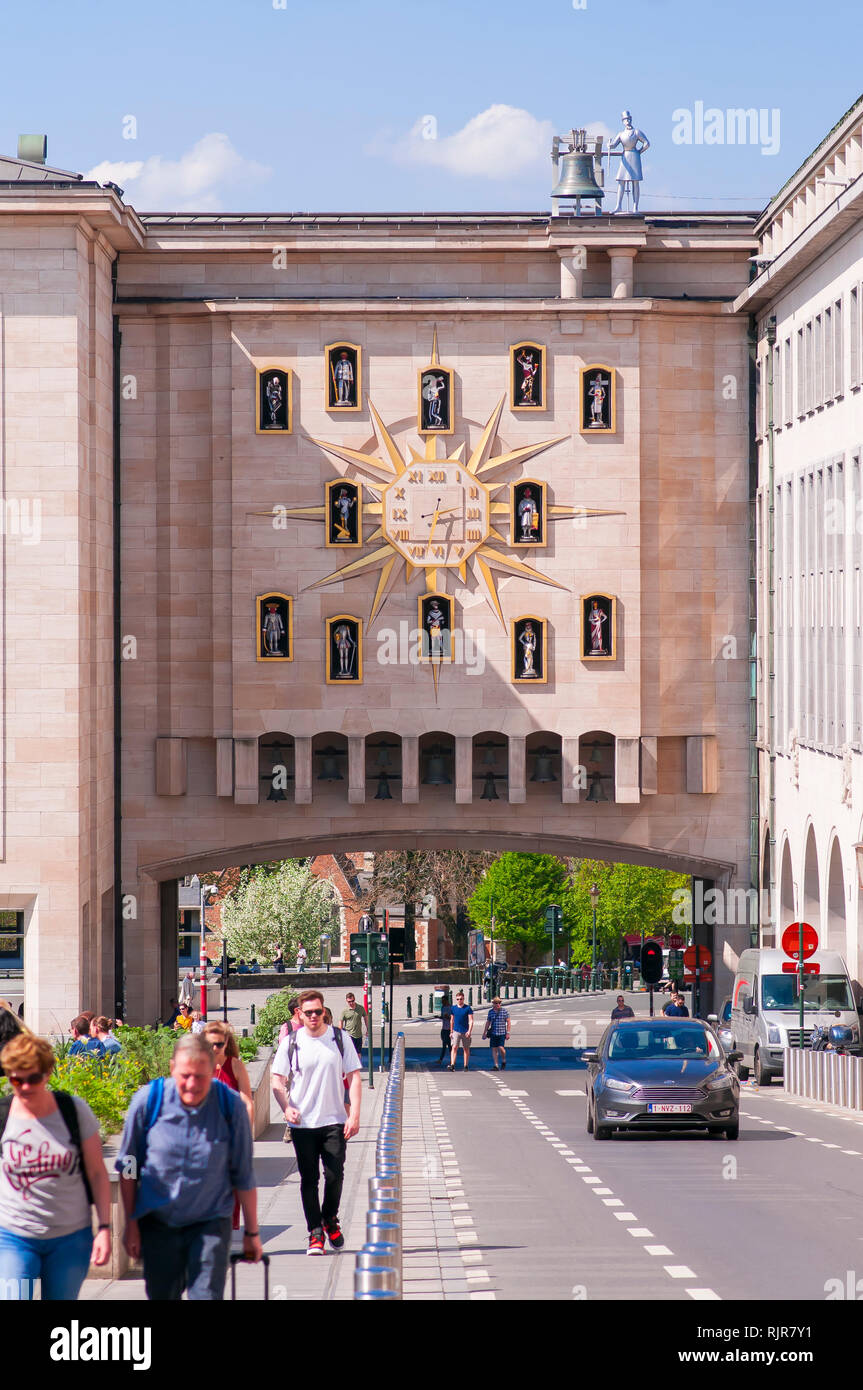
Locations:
(441, 511)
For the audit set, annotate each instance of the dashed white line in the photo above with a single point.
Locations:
(704, 1295)
(678, 1271)
(658, 1250)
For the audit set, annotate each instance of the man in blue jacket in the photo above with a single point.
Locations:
(186, 1148)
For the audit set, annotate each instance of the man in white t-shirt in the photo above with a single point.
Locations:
(309, 1072)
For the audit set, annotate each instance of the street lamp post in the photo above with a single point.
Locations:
(205, 890)
(594, 898)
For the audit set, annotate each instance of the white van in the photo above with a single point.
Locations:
(765, 1008)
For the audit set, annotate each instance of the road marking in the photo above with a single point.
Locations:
(583, 1168)
(481, 1294)
(539, 1022)
(603, 1192)
(464, 1236)
(612, 1202)
(855, 1152)
(811, 1139)
(640, 1232)
(477, 1276)
(629, 1216)
(457, 1094)
(704, 1295)
(591, 1180)
(679, 1271)
(831, 1146)
(658, 1250)
(462, 1221)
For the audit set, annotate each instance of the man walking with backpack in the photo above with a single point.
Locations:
(308, 1083)
(186, 1148)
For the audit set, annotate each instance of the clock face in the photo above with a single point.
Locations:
(436, 513)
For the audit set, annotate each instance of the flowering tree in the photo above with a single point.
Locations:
(277, 905)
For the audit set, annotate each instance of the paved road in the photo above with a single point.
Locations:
(685, 1217)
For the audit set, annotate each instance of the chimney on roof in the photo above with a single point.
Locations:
(33, 148)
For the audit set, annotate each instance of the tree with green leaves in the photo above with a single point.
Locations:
(516, 890)
(281, 904)
(632, 898)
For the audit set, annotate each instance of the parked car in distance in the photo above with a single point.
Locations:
(661, 1073)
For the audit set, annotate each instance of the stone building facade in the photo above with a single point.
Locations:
(174, 315)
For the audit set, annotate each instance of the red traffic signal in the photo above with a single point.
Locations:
(651, 962)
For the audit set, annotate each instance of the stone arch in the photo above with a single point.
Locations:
(785, 889)
(835, 936)
(383, 766)
(810, 905)
(490, 754)
(596, 754)
(543, 762)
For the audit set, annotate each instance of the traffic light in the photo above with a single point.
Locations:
(368, 950)
(651, 962)
(397, 943)
(553, 919)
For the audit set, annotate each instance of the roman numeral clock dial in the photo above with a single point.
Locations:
(437, 514)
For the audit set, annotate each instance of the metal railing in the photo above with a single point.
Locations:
(833, 1078)
(378, 1268)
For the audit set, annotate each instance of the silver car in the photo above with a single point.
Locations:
(661, 1073)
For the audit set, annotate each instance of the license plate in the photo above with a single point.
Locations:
(669, 1109)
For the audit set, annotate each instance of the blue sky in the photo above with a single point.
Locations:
(239, 105)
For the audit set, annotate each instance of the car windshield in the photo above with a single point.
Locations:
(819, 992)
(640, 1044)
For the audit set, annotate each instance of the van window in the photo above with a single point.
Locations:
(819, 992)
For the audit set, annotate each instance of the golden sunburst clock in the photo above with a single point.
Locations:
(436, 513)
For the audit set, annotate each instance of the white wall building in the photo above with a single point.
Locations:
(807, 303)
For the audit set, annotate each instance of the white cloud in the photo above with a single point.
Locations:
(498, 143)
(196, 182)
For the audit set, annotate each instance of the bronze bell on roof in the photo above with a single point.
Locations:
(577, 178)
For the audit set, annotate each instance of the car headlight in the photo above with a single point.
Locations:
(717, 1082)
(773, 1034)
(614, 1085)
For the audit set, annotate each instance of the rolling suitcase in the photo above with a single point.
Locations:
(238, 1259)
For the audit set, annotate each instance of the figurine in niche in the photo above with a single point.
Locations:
(595, 619)
(274, 401)
(527, 638)
(343, 507)
(343, 380)
(529, 369)
(437, 626)
(598, 394)
(346, 648)
(274, 632)
(435, 400)
(528, 517)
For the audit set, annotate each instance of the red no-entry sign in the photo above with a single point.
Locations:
(791, 940)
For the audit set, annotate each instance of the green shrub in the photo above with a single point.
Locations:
(275, 1012)
(107, 1085)
(248, 1049)
(150, 1049)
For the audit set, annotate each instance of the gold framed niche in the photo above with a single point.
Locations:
(332, 355)
(597, 415)
(284, 605)
(426, 626)
(532, 398)
(519, 648)
(332, 525)
(286, 378)
(593, 629)
(538, 494)
(334, 641)
(444, 395)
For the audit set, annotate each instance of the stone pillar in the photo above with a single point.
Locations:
(410, 769)
(464, 770)
(573, 263)
(622, 271)
(356, 770)
(246, 784)
(702, 763)
(570, 771)
(649, 750)
(626, 752)
(302, 771)
(142, 950)
(171, 767)
(517, 762)
(224, 767)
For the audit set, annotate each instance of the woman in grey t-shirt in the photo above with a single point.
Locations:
(45, 1225)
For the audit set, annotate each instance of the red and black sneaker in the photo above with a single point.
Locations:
(334, 1234)
(316, 1243)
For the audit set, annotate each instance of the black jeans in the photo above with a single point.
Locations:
(313, 1147)
(191, 1257)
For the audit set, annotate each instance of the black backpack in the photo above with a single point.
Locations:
(293, 1049)
(69, 1115)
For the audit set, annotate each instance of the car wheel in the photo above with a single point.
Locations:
(589, 1116)
(762, 1077)
(732, 1131)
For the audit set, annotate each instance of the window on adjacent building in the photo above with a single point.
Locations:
(854, 338)
(788, 402)
(838, 351)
